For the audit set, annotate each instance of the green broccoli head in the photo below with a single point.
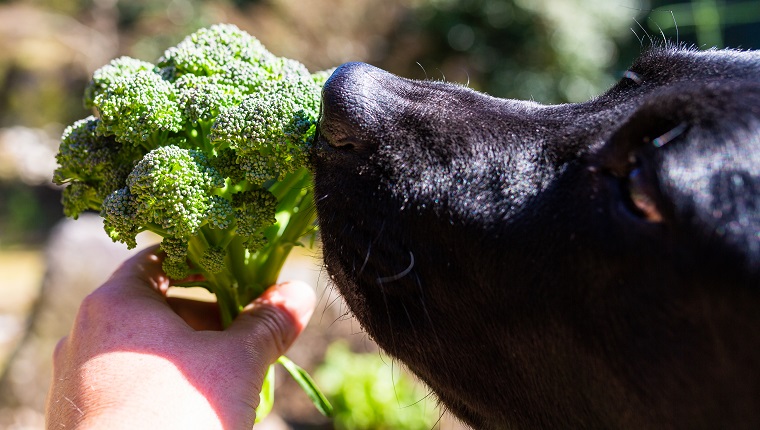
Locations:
(171, 192)
(192, 142)
(188, 148)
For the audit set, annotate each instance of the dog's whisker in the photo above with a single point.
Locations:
(416, 402)
(322, 198)
(443, 411)
(675, 25)
(640, 39)
(423, 69)
(662, 32)
(646, 33)
(332, 302)
(670, 135)
(443, 76)
(366, 259)
(415, 335)
(385, 279)
(390, 318)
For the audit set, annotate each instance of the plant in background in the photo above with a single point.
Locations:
(208, 149)
(367, 394)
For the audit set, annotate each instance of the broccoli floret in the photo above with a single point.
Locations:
(220, 213)
(271, 130)
(92, 165)
(209, 51)
(202, 98)
(173, 188)
(119, 212)
(254, 211)
(107, 75)
(208, 149)
(213, 259)
(175, 263)
(170, 192)
(139, 109)
(285, 68)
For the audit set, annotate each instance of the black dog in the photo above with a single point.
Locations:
(592, 265)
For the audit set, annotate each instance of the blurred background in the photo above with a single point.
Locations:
(550, 51)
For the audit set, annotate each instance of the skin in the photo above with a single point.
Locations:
(137, 359)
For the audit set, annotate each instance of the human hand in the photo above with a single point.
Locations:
(137, 359)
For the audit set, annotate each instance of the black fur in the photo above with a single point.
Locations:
(592, 265)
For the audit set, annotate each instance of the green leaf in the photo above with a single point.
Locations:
(266, 401)
(308, 385)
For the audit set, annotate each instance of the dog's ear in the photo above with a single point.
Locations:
(690, 158)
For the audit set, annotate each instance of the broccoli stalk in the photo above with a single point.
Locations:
(208, 149)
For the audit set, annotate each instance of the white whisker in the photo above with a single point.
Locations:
(396, 277)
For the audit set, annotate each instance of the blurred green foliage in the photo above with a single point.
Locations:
(708, 23)
(547, 50)
(367, 394)
(26, 213)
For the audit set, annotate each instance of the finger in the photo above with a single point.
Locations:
(198, 315)
(273, 321)
(143, 269)
(59, 353)
(135, 292)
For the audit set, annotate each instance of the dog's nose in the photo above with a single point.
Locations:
(354, 100)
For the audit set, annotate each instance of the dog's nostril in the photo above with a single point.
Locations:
(348, 145)
(344, 144)
(336, 133)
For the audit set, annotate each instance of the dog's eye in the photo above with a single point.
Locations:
(642, 194)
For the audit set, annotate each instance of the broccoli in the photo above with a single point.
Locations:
(207, 148)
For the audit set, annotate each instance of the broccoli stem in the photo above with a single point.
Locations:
(293, 222)
(197, 134)
(221, 284)
(248, 275)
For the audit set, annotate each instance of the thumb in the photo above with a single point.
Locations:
(273, 321)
